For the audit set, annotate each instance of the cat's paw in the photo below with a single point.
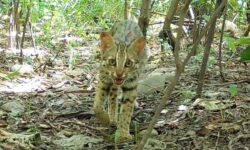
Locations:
(121, 136)
(102, 117)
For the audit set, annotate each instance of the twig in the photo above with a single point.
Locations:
(88, 127)
(217, 141)
(74, 91)
(75, 114)
(23, 36)
(208, 43)
(33, 38)
(158, 13)
(172, 84)
(51, 125)
(243, 137)
(220, 45)
(227, 83)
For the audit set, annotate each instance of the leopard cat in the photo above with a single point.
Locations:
(123, 55)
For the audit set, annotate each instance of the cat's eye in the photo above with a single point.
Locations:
(128, 63)
(112, 62)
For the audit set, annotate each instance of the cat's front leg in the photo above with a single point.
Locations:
(126, 112)
(102, 91)
(112, 104)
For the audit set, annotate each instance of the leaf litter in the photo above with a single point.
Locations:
(50, 107)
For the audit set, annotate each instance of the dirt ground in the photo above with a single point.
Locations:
(51, 107)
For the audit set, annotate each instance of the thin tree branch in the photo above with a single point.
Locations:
(171, 87)
(11, 25)
(144, 16)
(204, 30)
(208, 43)
(220, 45)
(179, 34)
(173, 83)
(166, 33)
(126, 10)
(24, 31)
(17, 22)
(33, 38)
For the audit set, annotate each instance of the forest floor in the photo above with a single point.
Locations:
(49, 107)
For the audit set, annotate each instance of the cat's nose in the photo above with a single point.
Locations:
(119, 73)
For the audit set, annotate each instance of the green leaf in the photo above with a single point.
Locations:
(28, 60)
(233, 89)
(12, 75)
(245, 54)
(233, 4)
(243, 40)
(206, 17)
(231, 44)
(35, 16)
(117, 135)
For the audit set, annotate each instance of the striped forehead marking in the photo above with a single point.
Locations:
(121, 55)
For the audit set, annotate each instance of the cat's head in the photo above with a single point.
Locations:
(121, 60)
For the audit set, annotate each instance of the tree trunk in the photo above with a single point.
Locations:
(166, 33)
(208, 43)
(197, 28)
(144, 16)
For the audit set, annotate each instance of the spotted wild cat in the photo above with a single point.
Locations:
(122, 57)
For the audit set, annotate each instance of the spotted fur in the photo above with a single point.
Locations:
(123, 55)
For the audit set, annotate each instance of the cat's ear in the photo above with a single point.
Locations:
(139, 45)
(106, 40)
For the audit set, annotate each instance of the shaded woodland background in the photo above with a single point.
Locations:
(194, 92)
